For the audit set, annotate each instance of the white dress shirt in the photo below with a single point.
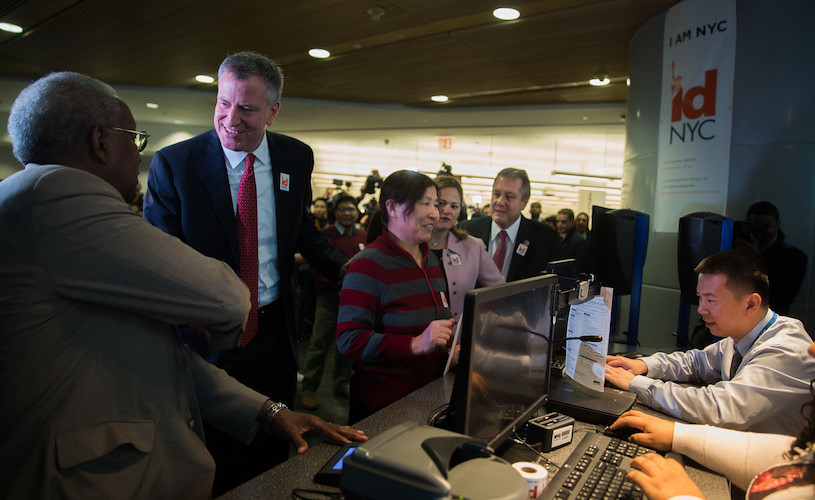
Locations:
(268, 274)
(765, 395)
(512, 236)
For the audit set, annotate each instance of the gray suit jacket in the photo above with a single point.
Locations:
(98, 397)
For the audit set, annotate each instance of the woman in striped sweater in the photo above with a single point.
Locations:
(394, 318)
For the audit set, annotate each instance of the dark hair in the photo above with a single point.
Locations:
(745, 273)
(54, 116)
(582, 213)
(517, 173)
(567, 212)
(763, 208)
(447, 181)
(403, 187)
(324, 200)
(245, 64)
(345, 198)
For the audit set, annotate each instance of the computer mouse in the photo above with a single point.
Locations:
(622, 433)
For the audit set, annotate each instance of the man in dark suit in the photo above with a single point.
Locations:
(198, 190)
(572, 245)
(527, 246)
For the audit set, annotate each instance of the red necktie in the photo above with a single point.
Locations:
(247, 220)
(500, 252)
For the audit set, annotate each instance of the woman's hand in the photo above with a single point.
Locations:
(434, 338)
(653, 432)
(662, 478)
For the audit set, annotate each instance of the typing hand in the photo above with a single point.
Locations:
(619, 377)
(635, 366)
(661, 478)
(652, 432)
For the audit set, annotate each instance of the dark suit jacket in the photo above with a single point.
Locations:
(542, 241)
(188, 196)
(574, 246)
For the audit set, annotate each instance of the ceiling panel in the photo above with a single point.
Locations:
(416, 49)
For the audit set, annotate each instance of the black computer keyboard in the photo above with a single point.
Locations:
(596, 469)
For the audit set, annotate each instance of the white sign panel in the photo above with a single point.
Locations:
(698, 60)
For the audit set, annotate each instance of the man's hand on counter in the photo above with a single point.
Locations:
(291, 425)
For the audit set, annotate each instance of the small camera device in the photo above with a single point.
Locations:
(552, 430)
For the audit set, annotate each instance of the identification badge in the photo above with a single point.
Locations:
(522, 248)
(284, 182)
(455, 259)
(444, 300)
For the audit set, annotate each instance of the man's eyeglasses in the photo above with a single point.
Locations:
(346, 209)
(139, 138)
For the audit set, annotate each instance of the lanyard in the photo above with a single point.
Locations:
(769, 324)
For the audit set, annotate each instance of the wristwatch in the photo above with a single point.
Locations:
(270, 414)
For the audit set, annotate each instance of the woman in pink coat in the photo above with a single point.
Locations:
(465, 260)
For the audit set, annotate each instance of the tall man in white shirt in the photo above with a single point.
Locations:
(527, 247)
(241, 194)
(756, 378)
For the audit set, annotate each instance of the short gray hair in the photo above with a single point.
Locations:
(54, 116)
(245, 64)
(517, 173)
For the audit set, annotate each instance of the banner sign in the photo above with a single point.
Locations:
(693, 158)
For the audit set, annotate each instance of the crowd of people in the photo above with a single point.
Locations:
(158, 355)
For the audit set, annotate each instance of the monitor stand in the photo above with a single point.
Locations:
(566, 396)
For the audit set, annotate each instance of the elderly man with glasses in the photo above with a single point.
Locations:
(98, 397)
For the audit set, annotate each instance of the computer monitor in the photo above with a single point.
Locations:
(502, 376)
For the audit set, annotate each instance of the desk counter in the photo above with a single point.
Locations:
(298, 471)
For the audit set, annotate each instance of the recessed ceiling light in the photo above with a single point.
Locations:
(599, 81)
(506, 14)
(439, 98)
(151, 105)
(319, 53)
(204, 79)
(11, 28)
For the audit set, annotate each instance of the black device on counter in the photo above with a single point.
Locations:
(331, 472)
(419, 462)
(552, 430)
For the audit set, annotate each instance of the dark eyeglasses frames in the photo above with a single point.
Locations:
(139, 138)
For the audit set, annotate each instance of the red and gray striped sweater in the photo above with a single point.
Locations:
(387, 299)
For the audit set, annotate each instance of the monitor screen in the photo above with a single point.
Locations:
(503, 372)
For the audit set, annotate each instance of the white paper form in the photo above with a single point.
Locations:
(586, 361)
(453, 344)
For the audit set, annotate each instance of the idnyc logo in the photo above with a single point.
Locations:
(698, 106)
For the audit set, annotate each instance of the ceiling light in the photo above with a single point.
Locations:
(506, 14)
(599, 81)
(204, 78)
(319, 53)
(439, 98)
(376, 12)
(11, 28)
(151, 105)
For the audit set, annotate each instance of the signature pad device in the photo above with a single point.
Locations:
(417, 462)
